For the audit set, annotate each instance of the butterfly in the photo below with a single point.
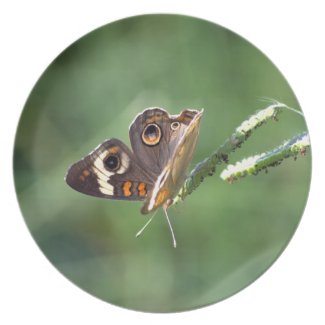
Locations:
(153, 172)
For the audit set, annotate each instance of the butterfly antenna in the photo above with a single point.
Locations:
(145, 226)
(170, 227)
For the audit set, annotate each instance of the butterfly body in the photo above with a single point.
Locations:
(155, 169)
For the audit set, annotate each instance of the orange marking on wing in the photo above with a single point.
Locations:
(142, 189)
(86, 173)
(113, 150)
(82, 178)
(126, 188)
(162, 196)
(185, 117)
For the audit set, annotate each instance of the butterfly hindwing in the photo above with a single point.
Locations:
(154, 136)
(173, 175)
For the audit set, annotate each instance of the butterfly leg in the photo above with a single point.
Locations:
(145, 226)
(170, 225)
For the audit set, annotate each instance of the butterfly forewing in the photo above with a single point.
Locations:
(110, 171)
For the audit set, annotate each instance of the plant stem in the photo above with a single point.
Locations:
(207, 167)
(254, 164)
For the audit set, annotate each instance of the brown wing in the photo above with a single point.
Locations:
(154, 136)
(173, 175)
(110, 171)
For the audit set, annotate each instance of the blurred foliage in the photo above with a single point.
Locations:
(227, 235)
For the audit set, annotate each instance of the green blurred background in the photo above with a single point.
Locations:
(227, 235)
